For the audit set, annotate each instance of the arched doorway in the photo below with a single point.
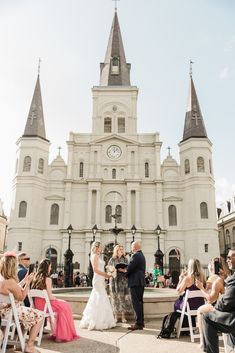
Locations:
(108, 252)
(174, 266)
(51, 254)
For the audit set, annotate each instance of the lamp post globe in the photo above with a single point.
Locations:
(68, 261)
(133, 231)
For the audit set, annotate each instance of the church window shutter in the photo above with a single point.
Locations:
(204, 210)
(107, 125)
(54, 216)
(146, 170)
(27, 164)
(121, 125)
(41, 166)
(172, 213)
(119, 213)
(81, 169)
(114, 173)
(22, 209)
(186, 166)
(108, 214)
(200, 164)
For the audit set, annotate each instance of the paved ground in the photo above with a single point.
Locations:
(120, 340)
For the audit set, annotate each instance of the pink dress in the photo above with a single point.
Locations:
(64, 329)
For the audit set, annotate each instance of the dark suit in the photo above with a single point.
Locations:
(22, 271)
(222, 319)
(136, 283)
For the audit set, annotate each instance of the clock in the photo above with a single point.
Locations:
(114, 152)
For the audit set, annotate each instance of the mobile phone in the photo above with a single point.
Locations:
(31, 268)
(216, 266)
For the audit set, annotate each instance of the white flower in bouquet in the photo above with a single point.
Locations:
(111, 271)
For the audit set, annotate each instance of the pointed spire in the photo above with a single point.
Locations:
(35, 123)
(115, 71)
(194, 124)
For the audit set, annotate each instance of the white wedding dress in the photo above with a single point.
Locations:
(98, 313)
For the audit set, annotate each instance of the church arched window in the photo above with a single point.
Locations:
(81, 165)
(172, 213)
(210, 166)
(200, 164)
(114, 173)
(27, 164)
(54, 216)
(146, 170)
(108, 214)
(41, 166)
(186, 166)
(121, 125)
(107, 125)
(203, 210)
(22, 209)
(119, 213)
(115, 65)
(228, 239)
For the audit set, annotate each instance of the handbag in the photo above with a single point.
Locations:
(160, 279)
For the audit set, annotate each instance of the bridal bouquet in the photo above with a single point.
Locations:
(111, 271)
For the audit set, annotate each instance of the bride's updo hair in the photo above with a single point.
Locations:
(94, 246)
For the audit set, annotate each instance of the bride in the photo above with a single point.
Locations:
(98, 314)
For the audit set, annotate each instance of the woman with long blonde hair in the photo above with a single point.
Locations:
(63, 329)
(30, 318)
(98, 314)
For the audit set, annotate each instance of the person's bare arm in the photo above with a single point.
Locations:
(94, 262)
(183, 284)
(49, 288)
(216, 289)
(11, 286)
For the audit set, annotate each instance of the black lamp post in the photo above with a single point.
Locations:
(68, 262)
(158, 254)
(133, 231)
(115, 230)
(90, 269)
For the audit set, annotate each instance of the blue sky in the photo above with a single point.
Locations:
(160, 37)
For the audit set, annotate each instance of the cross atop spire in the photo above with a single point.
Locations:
(191, 68)
(116, 4)
(169, 151)
(39, 65)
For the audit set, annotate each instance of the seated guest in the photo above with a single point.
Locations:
(31, 319)
(222, 318)
(64, 329)
(187, 281)
(23, 266)
(215, 287)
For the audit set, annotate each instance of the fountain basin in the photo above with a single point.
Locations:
(157, 301)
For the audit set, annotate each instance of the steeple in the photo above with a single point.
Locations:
(115, 71)
(35, 123)
(194, 124)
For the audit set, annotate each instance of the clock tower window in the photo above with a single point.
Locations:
(115, 65)
(121, 125)
(114, 173)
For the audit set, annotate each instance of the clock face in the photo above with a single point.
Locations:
(114, 152)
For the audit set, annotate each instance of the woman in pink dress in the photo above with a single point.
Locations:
(64, 329)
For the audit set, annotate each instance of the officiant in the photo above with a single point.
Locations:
(118, 286)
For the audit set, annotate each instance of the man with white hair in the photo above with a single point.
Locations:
(136, 282)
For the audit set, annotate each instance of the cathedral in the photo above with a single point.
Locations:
(114, 187)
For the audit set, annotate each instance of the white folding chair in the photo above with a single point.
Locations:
(187, 312)
(12, 324)
(47, 310)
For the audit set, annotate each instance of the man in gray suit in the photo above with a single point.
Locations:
(222, 319)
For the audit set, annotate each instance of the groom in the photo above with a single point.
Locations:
(135, 272)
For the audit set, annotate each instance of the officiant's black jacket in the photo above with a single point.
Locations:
(225, 306)
(136, 270)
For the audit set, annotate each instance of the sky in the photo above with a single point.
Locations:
(160, 38)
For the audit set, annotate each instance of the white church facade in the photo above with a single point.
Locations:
(114, 169)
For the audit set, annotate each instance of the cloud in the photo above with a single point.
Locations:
(223, 190)
(224, 73)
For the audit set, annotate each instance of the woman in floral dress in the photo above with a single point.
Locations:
(118, 286)
(30, 318)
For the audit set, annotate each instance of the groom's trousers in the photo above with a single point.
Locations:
(137, 294)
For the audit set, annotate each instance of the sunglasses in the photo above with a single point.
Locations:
(26, 258)
(229, 257)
